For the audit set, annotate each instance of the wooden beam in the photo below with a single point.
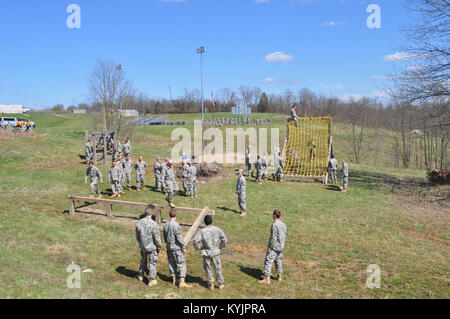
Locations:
(195, 226)
(71, 207)
(108, 209)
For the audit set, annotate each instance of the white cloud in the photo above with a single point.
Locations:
(269, 80)
(278, 57)
(333, 23)
(400, 56)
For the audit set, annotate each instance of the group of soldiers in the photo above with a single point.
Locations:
(210, 240)
(119, 174)
(225, 121)
(332, 168)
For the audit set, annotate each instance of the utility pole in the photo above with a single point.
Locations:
(202, 50)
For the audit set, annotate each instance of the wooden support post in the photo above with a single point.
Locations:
(195, 226)
(109, 210)
(158, 215)
(71, 207)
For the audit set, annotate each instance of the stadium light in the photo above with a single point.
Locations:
(200, 51)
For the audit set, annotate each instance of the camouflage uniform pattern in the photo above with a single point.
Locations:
(118, 152)
(264, 166)
(192, 176)
(175, 249)
(241, 189)
(127, 149)
(89, 151)
(345, 176)
(184, 178)
(248, 165)
(140, 167)
(332, 165)
(94, 176)
(149, 239)
(127, 170)
(114, 177)
(168, 178)
(122, 175)
(157, 171)
(208, 240)
(258, 166)
(279, 168)
(276, 245)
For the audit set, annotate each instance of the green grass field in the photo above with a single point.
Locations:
(384, 219)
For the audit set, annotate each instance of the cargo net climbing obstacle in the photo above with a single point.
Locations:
(307, 148)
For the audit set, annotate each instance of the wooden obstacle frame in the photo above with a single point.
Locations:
(157, 211)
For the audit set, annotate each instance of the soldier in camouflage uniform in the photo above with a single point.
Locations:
(192, 176)
(122, 174)
(157, 171)
(241, 190)
(264, 166)
(163, 167)
(88, 149)
(176, 250)
(248, 165)
(332, 166)
(258, 166)
(127, 169)
(294, 116)
(118, 151)
(140, 167)
(114, 178)
(275, 248)
(207, 240)
(94, 175)
(279, 168)
(184, 178)
(344, 176)
(149, 239)
(127, 147)
(169, 183)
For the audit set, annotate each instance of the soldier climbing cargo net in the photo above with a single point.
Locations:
(307, 147)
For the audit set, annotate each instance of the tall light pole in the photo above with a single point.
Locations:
(202, 50)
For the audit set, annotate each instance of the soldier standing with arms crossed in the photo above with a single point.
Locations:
(275, 248)
(94, 175)
(149, 239)
(332, 165)
(184, 178)
(241, 189)
(176, 250)
(169, 182)
(207, 240)
(127, 147)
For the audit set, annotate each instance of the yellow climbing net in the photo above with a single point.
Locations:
(307, 147)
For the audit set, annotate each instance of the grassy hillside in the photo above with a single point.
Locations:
(387, 218)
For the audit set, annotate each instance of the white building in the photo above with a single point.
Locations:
(12, 109)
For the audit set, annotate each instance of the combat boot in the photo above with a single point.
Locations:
(174, 281)
(99, 195)
(152, 283)
(211, 286)
(118, 195)
(221, 287)
(279, 278)
(172, 205)
(183, 284)
(266, 280)
(243, 213)
(91, 196)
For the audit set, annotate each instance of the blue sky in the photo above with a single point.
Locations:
(324, 45)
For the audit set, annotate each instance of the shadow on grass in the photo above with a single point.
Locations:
(189, 279)
(332, 188)
(226, 209)
(371, 180)
(252, 272)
